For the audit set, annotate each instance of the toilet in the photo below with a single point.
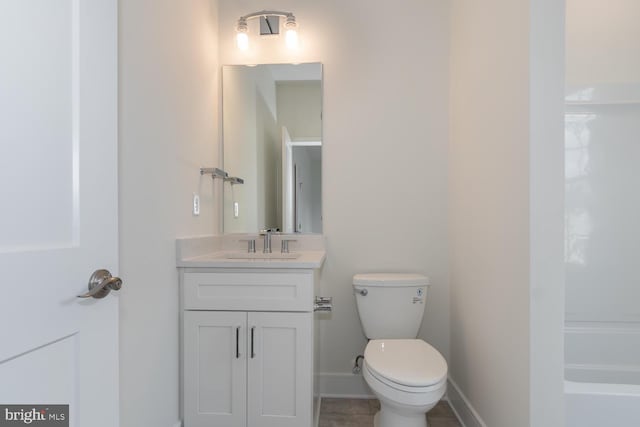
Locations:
(406, 374)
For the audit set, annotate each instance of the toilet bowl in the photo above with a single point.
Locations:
(408, 376)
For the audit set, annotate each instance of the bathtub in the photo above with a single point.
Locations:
(597, 398)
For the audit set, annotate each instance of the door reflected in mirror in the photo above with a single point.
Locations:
(272, 139)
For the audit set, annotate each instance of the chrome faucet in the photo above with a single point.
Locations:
(266, 233)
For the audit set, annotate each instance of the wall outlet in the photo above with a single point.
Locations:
(236, 210)
(196, 204)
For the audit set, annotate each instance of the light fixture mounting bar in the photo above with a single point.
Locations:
(266, 13)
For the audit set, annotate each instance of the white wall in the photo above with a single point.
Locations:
(241, 157)
(300, 111)
(300, 108)
(384, 148)
(268, 141)
(602, 41)
(506, 135)
(253, 142)
(168, 128)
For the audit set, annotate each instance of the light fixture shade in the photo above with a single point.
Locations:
(242, 40)
(291, 35)
(292, 39)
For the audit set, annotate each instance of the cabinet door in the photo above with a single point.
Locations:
(215, 375)
(280, 366)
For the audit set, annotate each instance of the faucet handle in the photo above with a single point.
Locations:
(251, 243)
(284, 248)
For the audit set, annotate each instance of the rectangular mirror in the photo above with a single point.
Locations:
(272, 141)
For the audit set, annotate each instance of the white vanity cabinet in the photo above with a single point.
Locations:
(247, 347)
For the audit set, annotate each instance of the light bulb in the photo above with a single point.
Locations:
(292, 39)
(242, 39)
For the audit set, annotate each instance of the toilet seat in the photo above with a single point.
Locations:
(409, 365)
(405, 400)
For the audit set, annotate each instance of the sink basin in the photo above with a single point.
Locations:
(260, 255)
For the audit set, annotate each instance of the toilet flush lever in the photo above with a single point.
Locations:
(323, 304)
(363, 292)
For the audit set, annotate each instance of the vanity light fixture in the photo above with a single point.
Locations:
(269, 25)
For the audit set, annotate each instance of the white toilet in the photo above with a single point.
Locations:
(406, 374)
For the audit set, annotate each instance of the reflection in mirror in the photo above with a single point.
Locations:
(272, 139)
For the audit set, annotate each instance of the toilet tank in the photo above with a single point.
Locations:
(390, 305)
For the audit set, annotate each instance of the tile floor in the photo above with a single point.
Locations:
(360, 412)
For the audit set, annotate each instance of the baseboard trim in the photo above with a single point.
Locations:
(342, 385)
(178, 424)
(466, 413)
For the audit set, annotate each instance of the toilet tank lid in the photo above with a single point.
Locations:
(390, 279)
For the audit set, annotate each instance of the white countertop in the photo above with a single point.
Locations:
(306, 260)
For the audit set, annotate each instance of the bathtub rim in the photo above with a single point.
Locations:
(603, 389)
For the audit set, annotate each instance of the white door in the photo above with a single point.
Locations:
(58, 206)
(215, 368)
(280, 368)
